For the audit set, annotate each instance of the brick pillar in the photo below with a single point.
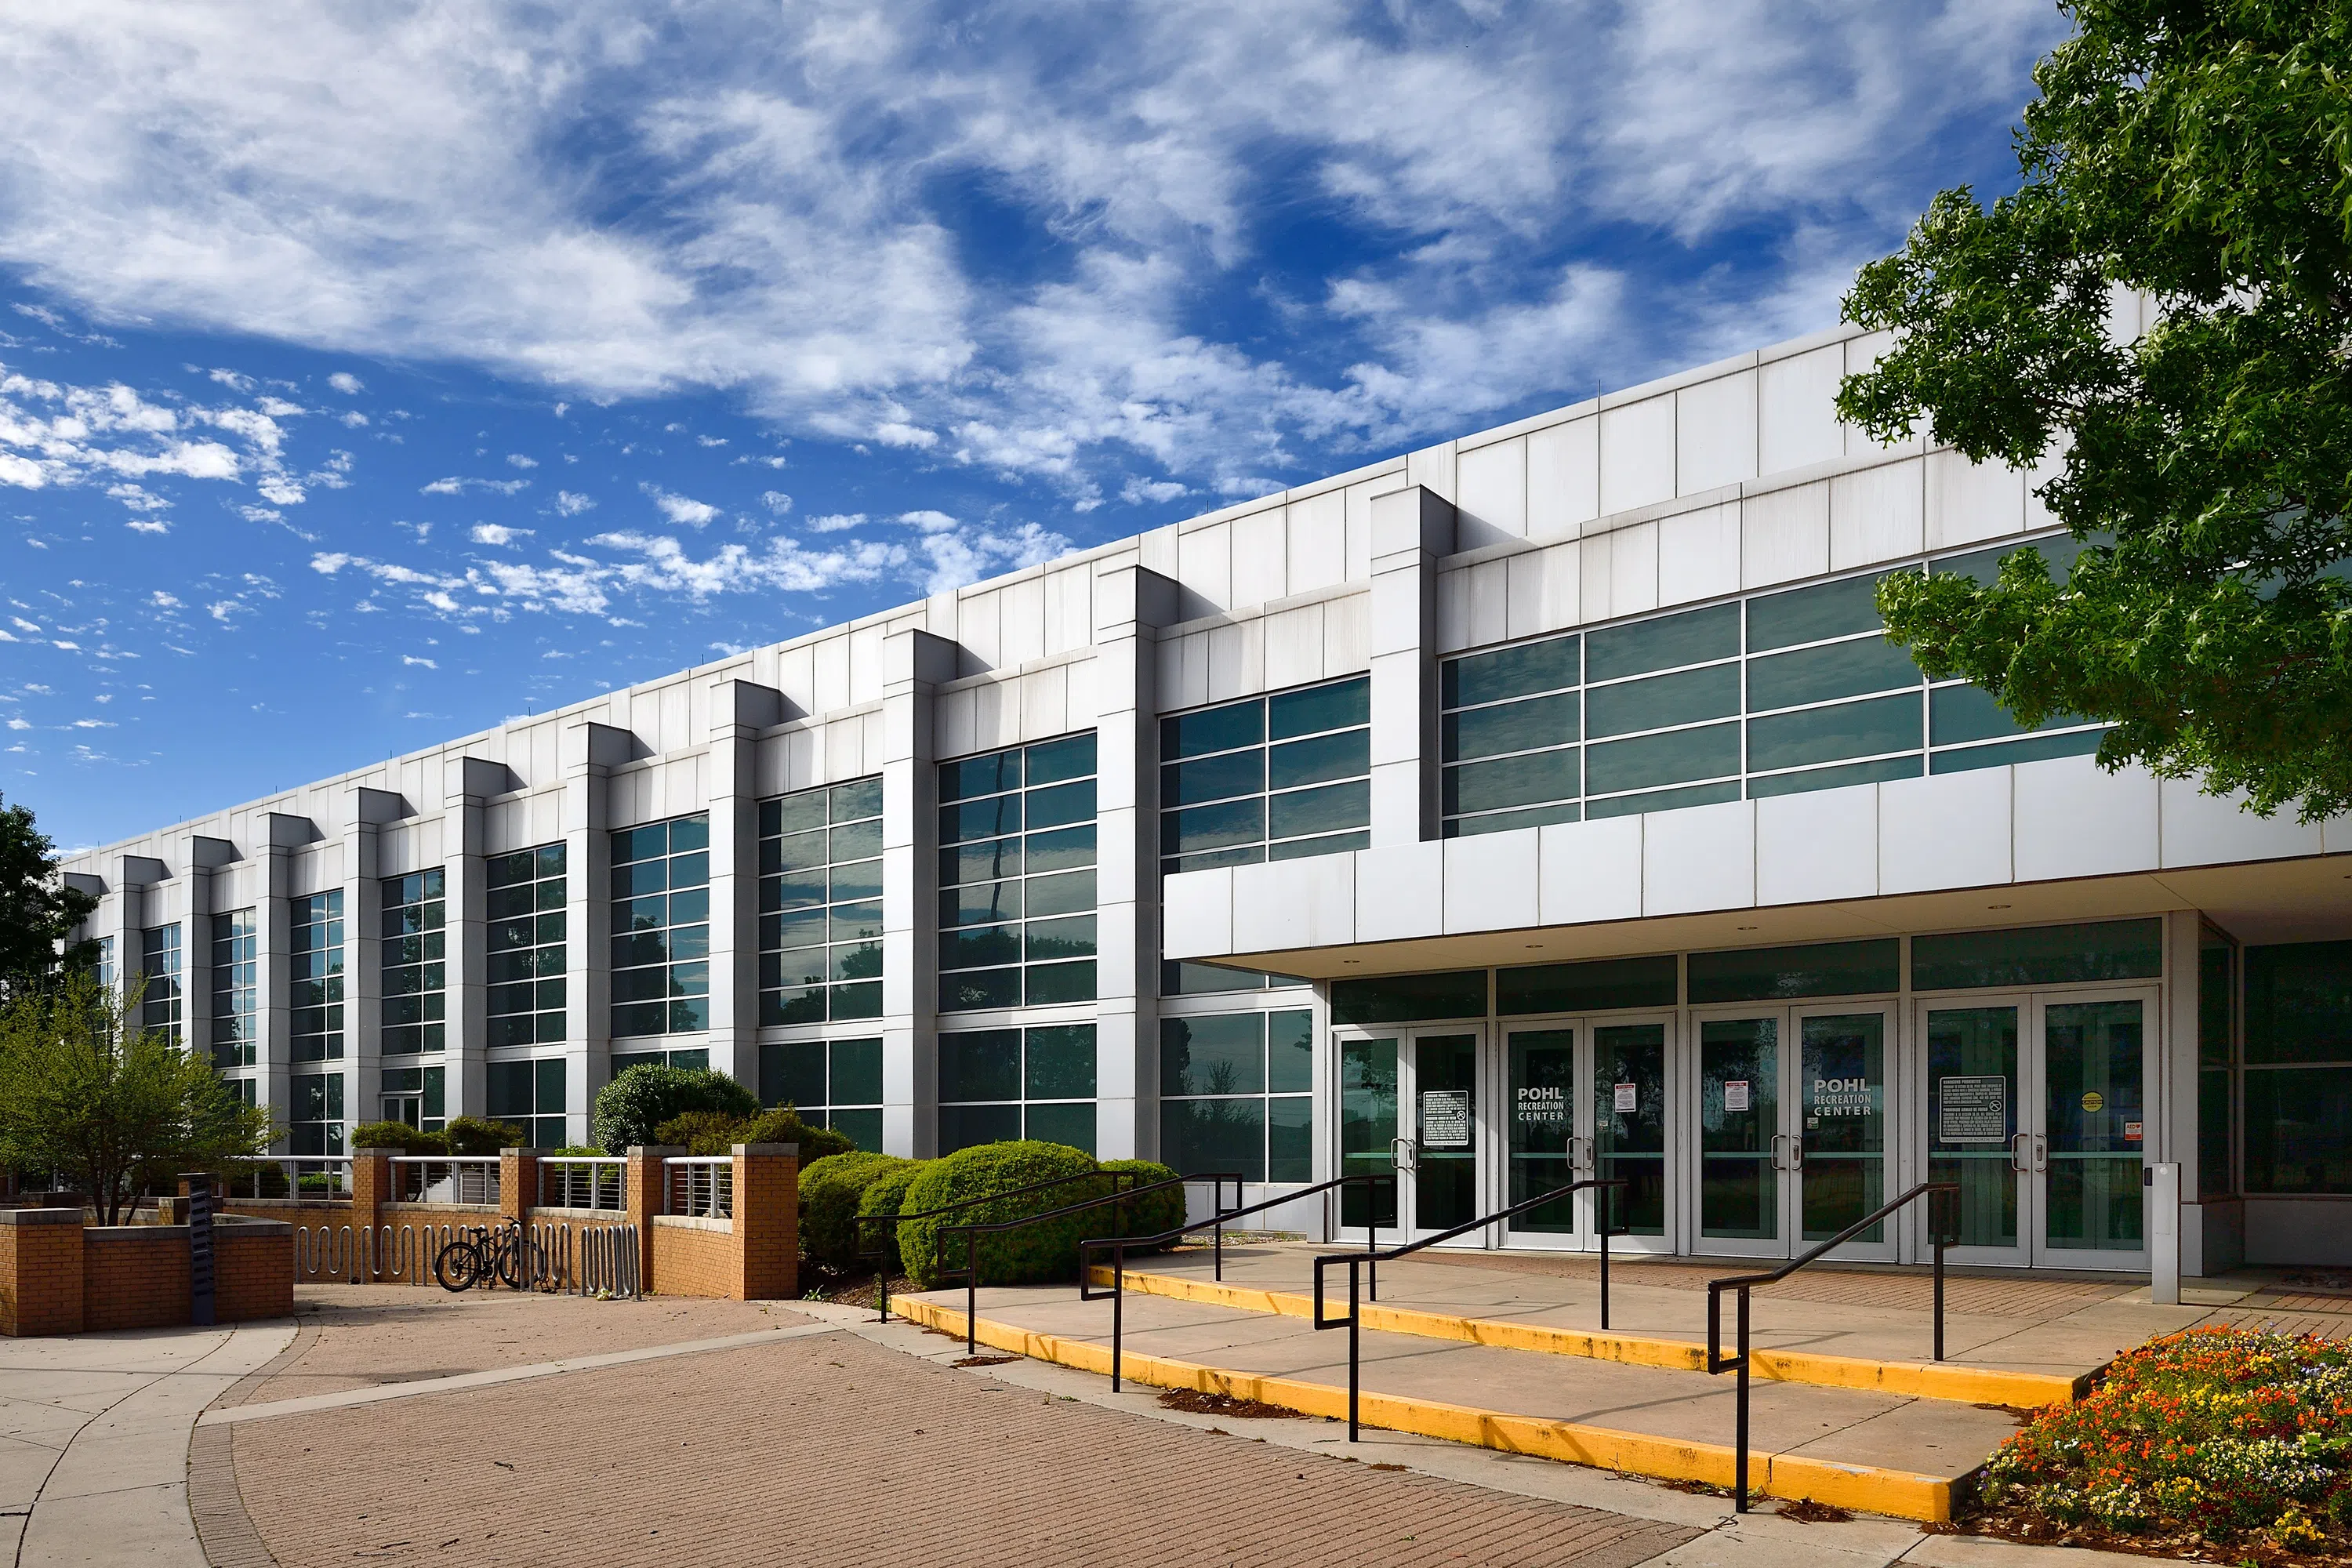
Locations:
(644, 1179)
(371, 1188)
(41, 1289)
(768, 1221)
(517, 1183)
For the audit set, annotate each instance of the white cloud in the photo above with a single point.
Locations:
(837, 523)
(776, 501)
(772, 245)
(518, 460)
(236, 381)
(413, 659)
(572, 504)
(137, 498)
(347, 383)
(457, 486)
(1151, 492)
(497, 533)
(164, 601)
(683, 511)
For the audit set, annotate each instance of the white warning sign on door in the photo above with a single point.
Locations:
(1445, 1119)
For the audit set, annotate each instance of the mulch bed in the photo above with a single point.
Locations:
(1192, 1402)
(2021, 1524)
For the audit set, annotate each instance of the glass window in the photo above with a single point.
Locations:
(2038, 956)
(661, 928)
(315, 977)
(525, 938)
(1598, 986)
(1817, 969)
(2299, 1130)
(416, 1095)
(316, 1126)
(819, 904)
(2297, 1086)
(1016, 909)
(1235, 1095)
(530, 1094)
(235, 955)
(2217, 1055)
(1696, 707)
(415, 964)
(1267, 778)
(832, 1083)
(159, 1005)
(2299, 1002)
(996, 1085)
(1408, 998)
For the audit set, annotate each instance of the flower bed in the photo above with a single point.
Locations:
(2212, 1443)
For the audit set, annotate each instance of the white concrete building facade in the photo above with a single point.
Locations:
(1541, 805)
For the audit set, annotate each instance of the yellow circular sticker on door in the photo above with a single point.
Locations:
(2095, 1101)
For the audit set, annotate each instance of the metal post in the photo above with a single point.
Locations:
(1221, 1248)
(1605, 1195)
(1740, 1470)
(1939, 1294)
(1117, 1310)
(972, 1292)
(1355, 1372)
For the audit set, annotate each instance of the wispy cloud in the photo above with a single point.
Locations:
(455, 486)
(683, 511)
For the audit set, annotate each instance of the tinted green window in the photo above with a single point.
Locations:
(1507, 821)
(2039, 955)
(1511, 672)
(2299, 1130)
(1221, 1055)
(793, 1074)
(1681, 699)
(1839, 777)
(1663, 800)
(1820, 969)
(1694, 637)
(1060, 1064)
(1210, 827)
(990, 774)
(1958, 713)
(1512, 780)
(2040, 748)
(1050, 762)
(1343, 756)
(1406, 998)
(1821, 674)
(1290, 1052)
(1327, 809)
(1071, 1125)
(1813, 615)
(981, 1065)
(1318, 707)
(1599, 986)
(1666, 758)
(1832, 734)
(2298, 1004)
(1216, 730)
(1512, 727)
(2058, 555)
(857, 1072)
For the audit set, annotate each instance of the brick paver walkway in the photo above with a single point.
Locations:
(831, 1450)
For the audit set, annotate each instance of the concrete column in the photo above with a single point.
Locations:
(914, 665)
(468, 783)
(126, 917)
(272, 1004)
(590, 752)
(1129, 603)
(367, 813)
(1412, 529)
(204, 861)
(740, 710)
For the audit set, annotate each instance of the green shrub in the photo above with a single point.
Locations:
(399, 1135)
(783, 1125)
(830, 1193)
(887, 1193)
(1150, 1214)
(700, 1131)
(480, 1135)
(630, 1108)
(1036, 1253)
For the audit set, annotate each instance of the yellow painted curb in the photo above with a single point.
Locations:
(1922, 1380)
(1900, 1494)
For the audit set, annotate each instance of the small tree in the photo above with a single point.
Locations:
(120, 1112)
(37, 910)
(632, 1105)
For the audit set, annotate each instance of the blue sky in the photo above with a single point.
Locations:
(375, 376)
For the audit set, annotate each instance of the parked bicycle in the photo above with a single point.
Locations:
(505, 1255)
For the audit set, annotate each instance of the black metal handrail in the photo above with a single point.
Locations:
(973, 1233)
(1362, 1263)
(881, 1257)
(1116, 1291)
(1718, 1364)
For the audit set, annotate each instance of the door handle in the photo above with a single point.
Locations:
(1787, 1151)
(1404, 1154)
(2021, 1153)
(1580, 1153)
(2040, 1152)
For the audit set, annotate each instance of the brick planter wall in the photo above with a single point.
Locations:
(59, 1276)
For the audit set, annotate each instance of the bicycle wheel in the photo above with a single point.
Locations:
(458, 1265)
(521, 1264)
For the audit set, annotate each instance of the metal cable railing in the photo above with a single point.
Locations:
(1363, 1268)
(1119, 1244)
(1718, 1364)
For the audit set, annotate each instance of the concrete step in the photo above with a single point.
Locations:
(1921, 1379)
(1869, 1449)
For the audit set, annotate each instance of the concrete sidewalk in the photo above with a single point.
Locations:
(94, 1439)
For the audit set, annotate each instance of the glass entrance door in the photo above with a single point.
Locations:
(1747, 1157)
(1544, 1146)
(2037, 1107)
(1843, 1104)
(1792, 1119)
(1629, 1122)
(1409, 1106)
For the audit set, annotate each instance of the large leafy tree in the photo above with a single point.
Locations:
(37, 910)
(2198, 156)
(116, 1110)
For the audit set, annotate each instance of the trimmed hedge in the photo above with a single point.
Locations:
(829, 1195)
(783, 1125)
(399, 1135)
(1038, 1252)
(480, 1135)
(887, 1193)
(690, 1129)
(1150, 1214)
(631, 1107)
